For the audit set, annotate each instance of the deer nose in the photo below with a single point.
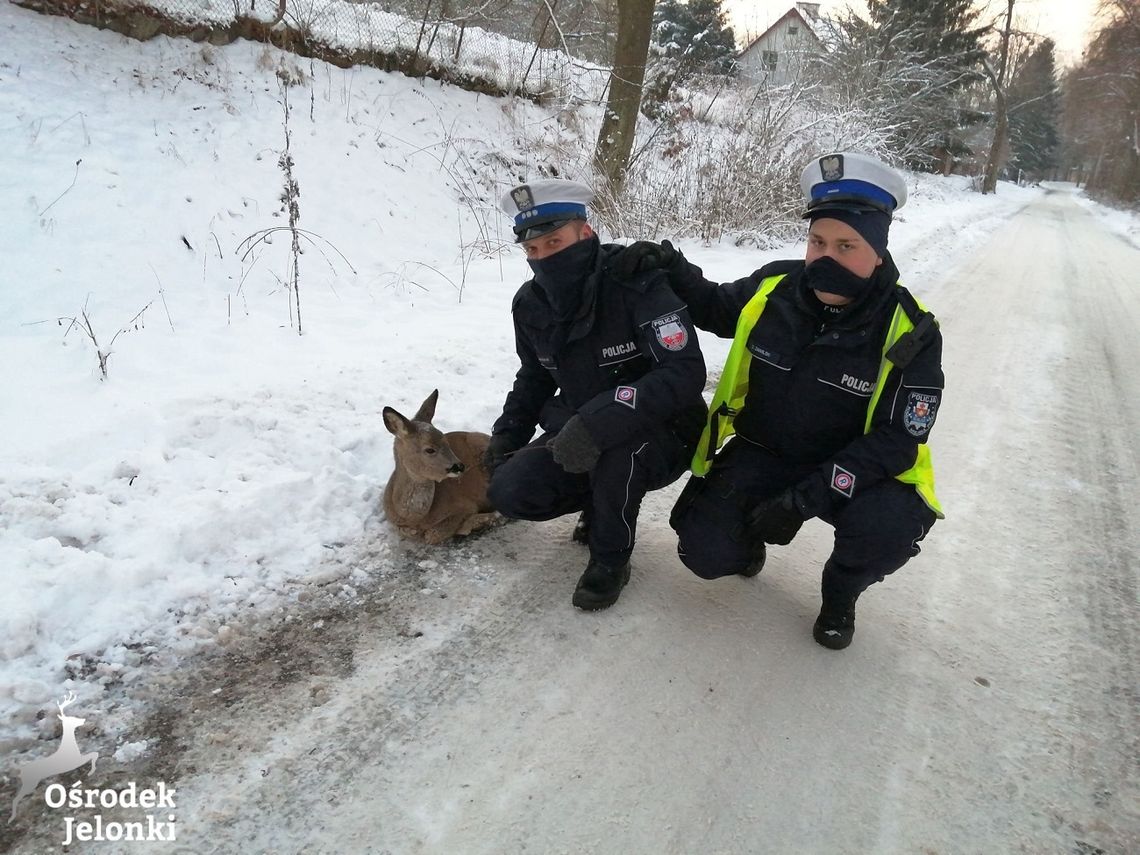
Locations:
(456, 469)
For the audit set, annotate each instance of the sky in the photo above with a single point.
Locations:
(1067, 22)
(227, 469)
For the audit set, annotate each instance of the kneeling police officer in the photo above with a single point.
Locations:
(611, 371)
(830, 391)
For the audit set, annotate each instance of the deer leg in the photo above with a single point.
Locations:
(439, 534)
(24, 790)
(478, 522)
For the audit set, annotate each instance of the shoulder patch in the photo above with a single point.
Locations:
(670, 332)
(921, 409)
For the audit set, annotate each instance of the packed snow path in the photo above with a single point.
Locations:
(988, 703)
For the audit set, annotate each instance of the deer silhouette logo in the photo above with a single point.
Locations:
(65, 758)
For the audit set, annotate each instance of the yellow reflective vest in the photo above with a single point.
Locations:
(732, 389)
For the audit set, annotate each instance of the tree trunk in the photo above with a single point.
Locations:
(996, 159)
(997, 156)
(615, 140)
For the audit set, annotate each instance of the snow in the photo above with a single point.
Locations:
(228, 470)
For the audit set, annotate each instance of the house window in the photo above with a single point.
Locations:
(769, 58)
(793, 30)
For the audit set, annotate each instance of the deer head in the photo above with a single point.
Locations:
(421, 450)
(68, 701)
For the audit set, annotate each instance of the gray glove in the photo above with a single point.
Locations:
(573, 447)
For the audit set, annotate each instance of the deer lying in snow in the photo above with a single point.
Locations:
(439, 486)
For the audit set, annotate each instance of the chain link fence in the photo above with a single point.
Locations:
(516, 47)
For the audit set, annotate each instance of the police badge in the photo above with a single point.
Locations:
(523, 198)
(831, 167)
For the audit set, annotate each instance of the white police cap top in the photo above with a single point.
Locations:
(851, 181)
(546, 201)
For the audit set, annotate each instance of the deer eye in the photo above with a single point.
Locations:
(429, 451)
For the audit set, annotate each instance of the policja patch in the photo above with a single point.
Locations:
(920, 411)
(670, 332)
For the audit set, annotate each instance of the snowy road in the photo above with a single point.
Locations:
(988, 703)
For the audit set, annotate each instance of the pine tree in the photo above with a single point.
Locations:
(945, 32)
(1034, 100)
(688, 39)
(696, 32)
(937, 43)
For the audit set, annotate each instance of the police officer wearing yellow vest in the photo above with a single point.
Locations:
(829, 393)
(610, 370)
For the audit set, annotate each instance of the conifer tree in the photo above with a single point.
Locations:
(696, 32)
(940, 40)
(1034, 99)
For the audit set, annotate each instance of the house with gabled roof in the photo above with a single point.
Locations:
(779, 54)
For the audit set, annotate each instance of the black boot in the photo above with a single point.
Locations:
(600, 586)
(835, 626)
(756, 563)
(582, 528)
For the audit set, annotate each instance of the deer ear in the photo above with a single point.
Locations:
(426, 412)
(396, 423)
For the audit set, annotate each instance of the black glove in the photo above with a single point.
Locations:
(498, 450)
(573, 447)
(776, 520)
(643, 255)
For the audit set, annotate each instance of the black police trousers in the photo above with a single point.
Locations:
(876, 532)
(530, 485)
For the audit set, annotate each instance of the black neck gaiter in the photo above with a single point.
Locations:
(829, 276)
(561, 276)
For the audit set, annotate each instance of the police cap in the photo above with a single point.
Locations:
(545, 205)
(851, 181)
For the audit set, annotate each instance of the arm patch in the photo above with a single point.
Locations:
(670, 332)
(921, 410)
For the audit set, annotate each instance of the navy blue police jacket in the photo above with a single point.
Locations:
(813, 373)
(629, 363)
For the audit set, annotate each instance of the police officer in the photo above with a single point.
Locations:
(611, 371)
(831, 388)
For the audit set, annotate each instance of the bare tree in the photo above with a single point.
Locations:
(1102, 107)
(615, 139)
(999, 79)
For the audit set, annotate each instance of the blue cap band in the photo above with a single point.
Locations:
(551, 211)
(853, 187)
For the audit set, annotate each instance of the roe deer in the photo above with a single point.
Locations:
(66, 757)
(439, 486)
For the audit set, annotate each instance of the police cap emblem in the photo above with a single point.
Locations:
(831, 167)
(523, 198)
